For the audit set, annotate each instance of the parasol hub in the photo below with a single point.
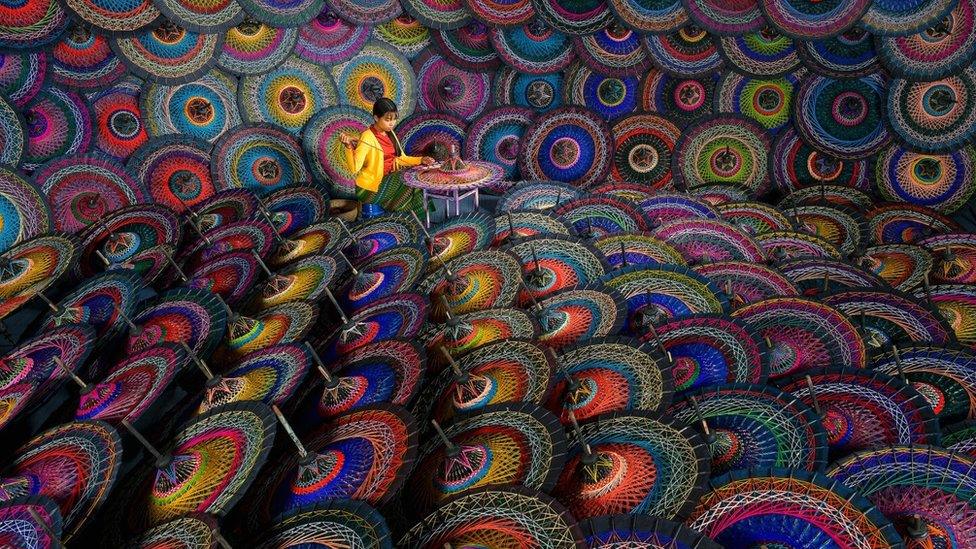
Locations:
(15, 487)
(352, 330)
(473, 392)
(11, 269)
(464, 465)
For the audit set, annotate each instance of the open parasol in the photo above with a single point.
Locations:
(533, 48)
(325, 153)
(252, 47)
(30, 27)
(766, 100)
(939, 181)
(687, 52)
(650, 17)
(643, 144)
(658, 293)
(577, 315)
(328, 38)
(754, 217)
(396, 316)
(725, 148)
(167, 53)
(606, 375)
(906, 223)
(496, 137)
(466, 332)
(749, 426)
(745, 282)
(317, 239)
(472, 282)
(259, 157)
(887, 317)
(271, 375)
(443, 87)
(117, 239)
(817, 276)
(13, 134)
(252, 234)
(23, 74)
(231, 276)
(941, 117)
(26, 213)
(505, 444)
(596, 216)
(567, 144)
(862, 409)
(175, 170)
(636, 463)
(625, 249)
(943, 375)
(763, 53)
(608, 97)
(58, 123)
(30, 522)
(423, 130)
(460, 235)
(801, 334)
(379, 70)
(855, 128)
(204, 108)
(380, 234)
(285, 323)
(225, 206)
(842, 227)
(607, 531)
(184, 315)
(903, 266)
(74, 464)
(194, 530)
(404, 33)
(333, 523)
(752, 508)
(82, 60)
(102, 302)
(708, 240)
(391, 272)
(811, 20)
(538, 92)
(539, 195)
(954, 255)
(794, 164)
(551, 263)
(304, 279)
(930, 501)
(287, 95)
(120, 129)
(683, 100)
(30, 267)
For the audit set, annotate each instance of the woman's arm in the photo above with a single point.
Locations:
(356, 158)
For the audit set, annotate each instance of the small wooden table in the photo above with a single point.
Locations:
(452, 187)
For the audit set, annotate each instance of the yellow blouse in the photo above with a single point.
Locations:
(367, 160)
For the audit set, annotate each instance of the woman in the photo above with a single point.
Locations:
(374, 157)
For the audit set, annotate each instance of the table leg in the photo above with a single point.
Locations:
(426, 208)
(476, 205)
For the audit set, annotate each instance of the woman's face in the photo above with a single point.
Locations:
(386, 122)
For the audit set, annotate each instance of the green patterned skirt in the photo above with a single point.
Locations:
(393, 195)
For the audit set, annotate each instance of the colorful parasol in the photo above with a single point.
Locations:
(748, 426)
(83, 60)
(811, 19)
(119, 238)
(25, 27)
(28, 268)
(577, 18)
(506, 444)
(953, 256)
(687, 52)
(378, 70)
(326, 154)
(287, 95)
(404, 33)
(204, 108)
(903, 266)
(460, 235)
(393, 271)
(936, 52)
(723, 149)
(840, 226)
(24, 211)
(764, 53)
(248, 235)
(943, 375)
(608, 375)
(708, 240)
(666, 207)
(854, 127)
(531, 519)
(801, 334)
(278, 14)
(613, 51)
(270, 375)
(316, 239)
(259, 157)
(957, 304)
(961, 438)
(716, 194)
(184, 315)
(767, 101)
(21, 75)
(851, 54)
(626, 249)
(848, 198)
(820, 276)
(304, 279)
(754, 217)
(363, 455)
(385, 371)
(579, 314)
(861, 409)
(336, 522)
(30, 522)
(378, 235)
(32, 368)
(596, 216)
(226, 206)
(886, 317)
(133, 386)
(539, 92)
(397, 316)
(896, 17)
(468, 47)
(209, 466)
(608, 531)
(935, 116)
(650, 16)
(74, 464)
(463, 333)
(533, 48)
(931, 499)
(196, 530)
(472, 282)
(682, 100)
(13, 136)
(202, 15)
(496, 137)
(736, 18)
(115, 18)
(707, 350)
(907, 223)
(794, 164)
(448, 15)
(658, 293)
(783, 246)
(98, 302)
(328, 39)
(421, 131)
(752, 508)
(231, 276)
(58, 124)
(285, 323)
(942, 182)
(747, 282)
(639, 463)
(550, 263)
(643, 145)
(443, 87)
(175, 170)
(296, 207)
(538, 195)
(502, 372)
(166, 53)
(252, 47)
(609, 97)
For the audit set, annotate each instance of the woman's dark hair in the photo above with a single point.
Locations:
(383, 105)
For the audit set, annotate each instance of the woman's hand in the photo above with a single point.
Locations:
(348, 140)
(427, 161)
